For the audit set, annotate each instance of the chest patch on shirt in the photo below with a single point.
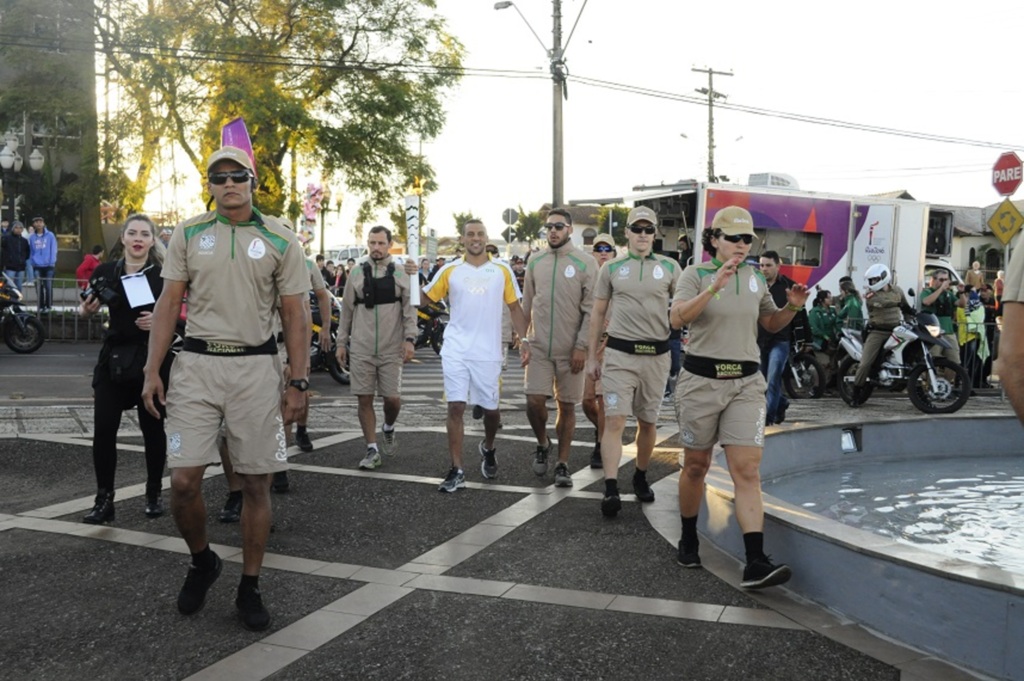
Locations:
(207, 242)
(257, 249)
(658, 272)
(623, 271)
(570, 272)
(753, 284)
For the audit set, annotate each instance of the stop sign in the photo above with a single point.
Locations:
(1007, 173)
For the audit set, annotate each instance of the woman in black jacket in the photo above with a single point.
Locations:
(129, 287)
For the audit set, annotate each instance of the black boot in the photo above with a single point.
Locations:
(103, 510)
(154, 507)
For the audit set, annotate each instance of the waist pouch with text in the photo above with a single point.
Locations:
(202, 347)
(719, 368)
(638, 347)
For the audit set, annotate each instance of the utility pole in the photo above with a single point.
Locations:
(712, 96)
(558, 75)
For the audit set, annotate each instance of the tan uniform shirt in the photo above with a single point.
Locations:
(1013, 288)
(382, 329)
(884, 307)
(640, 291)
(234, 275)
(727, 328)
(558, 294)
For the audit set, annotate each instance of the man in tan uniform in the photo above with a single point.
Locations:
(1010, 365)
(639, 286)
(234, 262)
(557, 297)
(593, 393)
(380, 324)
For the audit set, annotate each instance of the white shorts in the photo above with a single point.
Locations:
(472, 382)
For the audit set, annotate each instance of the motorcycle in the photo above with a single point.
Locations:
(320, 360)
(803, 377)
(432, 320)
(22, 331)
(935, 385)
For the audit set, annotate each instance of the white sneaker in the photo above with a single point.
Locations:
(371, 460)
(388, 441)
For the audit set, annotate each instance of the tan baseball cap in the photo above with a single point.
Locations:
(733, 220)
(642, 213)
(603, 239)
(229, 154)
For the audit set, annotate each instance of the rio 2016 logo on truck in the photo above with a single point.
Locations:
(819, 237)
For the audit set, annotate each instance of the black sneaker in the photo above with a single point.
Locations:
(760, 574)
(154, 507)
(232, 511)
(610, 505)
(303, 441)
(595, 457)
(251, 611)
(488, 461)
(280, 483)
(642, 488)
(478, 412)
(193, 593)
(687, 555)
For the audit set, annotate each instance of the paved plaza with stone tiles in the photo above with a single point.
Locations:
(376, 575)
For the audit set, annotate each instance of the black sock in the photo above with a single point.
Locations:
(234, 495)
(639, 474)
(300, 430)
(249, 583)
(689, 531)
(205, 560)
(753, 542)
(611, 487)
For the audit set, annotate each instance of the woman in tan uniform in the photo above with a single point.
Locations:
(720, 395)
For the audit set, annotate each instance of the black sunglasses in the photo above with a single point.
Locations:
(236, 176)
(736, 238)
(637, 229)
(555, 225)
(603, 249)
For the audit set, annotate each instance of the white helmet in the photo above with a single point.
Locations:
(877, 277)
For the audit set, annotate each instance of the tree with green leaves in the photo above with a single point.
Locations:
(619, 215)
(348, 84)
(529, 225)
(461, 219)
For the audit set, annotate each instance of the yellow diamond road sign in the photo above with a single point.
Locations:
(1006, 221)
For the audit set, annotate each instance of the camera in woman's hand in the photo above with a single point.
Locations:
(102, 290)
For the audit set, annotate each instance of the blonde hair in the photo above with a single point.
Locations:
(156, 251)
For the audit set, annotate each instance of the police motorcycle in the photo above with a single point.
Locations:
(935, 385)
(432, 318)
(22, 331)
(319, 359)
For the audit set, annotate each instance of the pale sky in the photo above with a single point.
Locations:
(910, 65)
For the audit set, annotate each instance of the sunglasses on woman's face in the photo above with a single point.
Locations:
(603, 249)
(736, 238)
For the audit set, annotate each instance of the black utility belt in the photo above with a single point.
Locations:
(202, 347)
(719, 368)
(638, 347)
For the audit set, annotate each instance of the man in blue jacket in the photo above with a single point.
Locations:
(43, 245)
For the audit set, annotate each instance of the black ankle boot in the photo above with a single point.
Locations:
(103, 510)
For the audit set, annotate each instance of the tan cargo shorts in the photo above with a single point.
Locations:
(634, 384)
(376, 375)
(543, 372)
(243, 393)
(729, 411)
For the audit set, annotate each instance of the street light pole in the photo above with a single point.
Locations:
(712, 96)
(559, 73)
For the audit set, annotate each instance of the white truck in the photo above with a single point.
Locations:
(820, 237)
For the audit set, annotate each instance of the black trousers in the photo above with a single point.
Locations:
(111, 400)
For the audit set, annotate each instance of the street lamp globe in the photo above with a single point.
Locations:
(36, 160)
(6, 158)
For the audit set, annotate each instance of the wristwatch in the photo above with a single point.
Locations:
(410, 339)
(300, 384)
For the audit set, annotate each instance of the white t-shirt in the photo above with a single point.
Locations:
(476, 296)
